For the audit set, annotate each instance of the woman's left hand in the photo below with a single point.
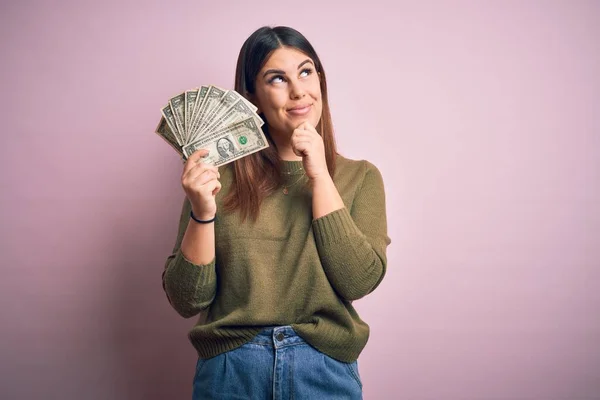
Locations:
(308, 144)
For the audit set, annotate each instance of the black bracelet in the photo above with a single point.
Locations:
(200, 221)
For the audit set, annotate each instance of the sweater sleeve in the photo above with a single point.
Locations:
(189, 287)
(352, 243)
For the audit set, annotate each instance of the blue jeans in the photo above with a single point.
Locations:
(277, 364)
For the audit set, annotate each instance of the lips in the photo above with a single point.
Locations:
(300, 109)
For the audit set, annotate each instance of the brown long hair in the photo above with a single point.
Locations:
(258, 175)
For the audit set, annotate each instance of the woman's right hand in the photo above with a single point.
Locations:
(201, 184)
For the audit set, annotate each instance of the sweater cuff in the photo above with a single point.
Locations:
(187, 271)
(333, 227)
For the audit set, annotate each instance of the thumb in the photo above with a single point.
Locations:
(194, 158)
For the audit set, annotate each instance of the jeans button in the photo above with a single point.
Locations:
(280, 336)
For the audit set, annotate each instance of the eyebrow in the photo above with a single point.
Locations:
(279, 71)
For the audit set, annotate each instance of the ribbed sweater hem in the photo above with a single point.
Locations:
(189, 286)
(318, 336)
(190, 272)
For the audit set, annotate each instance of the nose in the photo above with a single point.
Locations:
(297, 91)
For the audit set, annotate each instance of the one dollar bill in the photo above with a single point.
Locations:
(230, 143)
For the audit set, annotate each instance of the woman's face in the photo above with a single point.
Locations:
(288, 91)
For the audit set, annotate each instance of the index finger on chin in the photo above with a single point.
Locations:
(302, 125)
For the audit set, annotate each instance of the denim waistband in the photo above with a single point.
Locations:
(277, 336)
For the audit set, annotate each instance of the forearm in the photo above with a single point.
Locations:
(352, 241)
(198, 244)
(325, 197)
(190, 283)
(353, 263)
(189, 287)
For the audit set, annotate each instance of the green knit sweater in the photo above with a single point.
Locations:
(287, 268)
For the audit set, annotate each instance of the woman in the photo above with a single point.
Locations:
(273, 248)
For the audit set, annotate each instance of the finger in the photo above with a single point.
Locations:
(205, 177)
(301, 148)
(299, 133)
(303, 135)
(199, 154)
(302, 138)
(307, 128)
(217, 188)
(194, 182)
(194, 158)
(198, 169)
(201, 167)
(202, 178)
(305, 125)
(211, 187)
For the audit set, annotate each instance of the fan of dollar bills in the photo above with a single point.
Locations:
(221, 121)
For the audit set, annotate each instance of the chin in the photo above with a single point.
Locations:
(314, 121)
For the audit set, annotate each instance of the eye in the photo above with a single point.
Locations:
(306, 71)
(275, 79)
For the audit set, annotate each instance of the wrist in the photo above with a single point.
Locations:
(319, 180)
(203, 218)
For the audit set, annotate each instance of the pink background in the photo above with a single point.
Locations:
(483, 118)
